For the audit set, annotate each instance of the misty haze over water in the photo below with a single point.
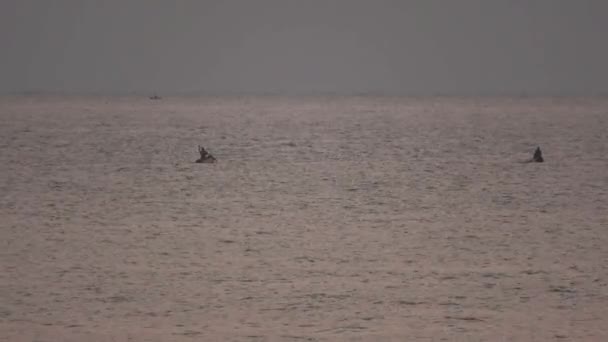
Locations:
(212, 47)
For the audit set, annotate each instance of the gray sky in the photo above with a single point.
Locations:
(305, 46)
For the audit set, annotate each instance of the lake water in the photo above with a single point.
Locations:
(324, 219)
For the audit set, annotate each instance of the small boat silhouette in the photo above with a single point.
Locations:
(206, 157)
(538, 156)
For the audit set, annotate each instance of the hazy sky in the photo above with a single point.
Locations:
(305, 46)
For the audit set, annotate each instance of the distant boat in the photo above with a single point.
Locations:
(538, 156)
(155, 97)
(206, 157)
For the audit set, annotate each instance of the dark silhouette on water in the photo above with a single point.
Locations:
(155, 97)
(538, 156)
(206, 157)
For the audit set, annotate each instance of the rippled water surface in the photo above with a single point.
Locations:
(325, 219)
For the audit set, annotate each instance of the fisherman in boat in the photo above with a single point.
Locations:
(206, 157)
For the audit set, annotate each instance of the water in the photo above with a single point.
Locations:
(325, 218)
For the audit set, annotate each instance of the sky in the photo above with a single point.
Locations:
(396, 47)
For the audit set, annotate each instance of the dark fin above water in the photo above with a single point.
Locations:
(538, 156)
